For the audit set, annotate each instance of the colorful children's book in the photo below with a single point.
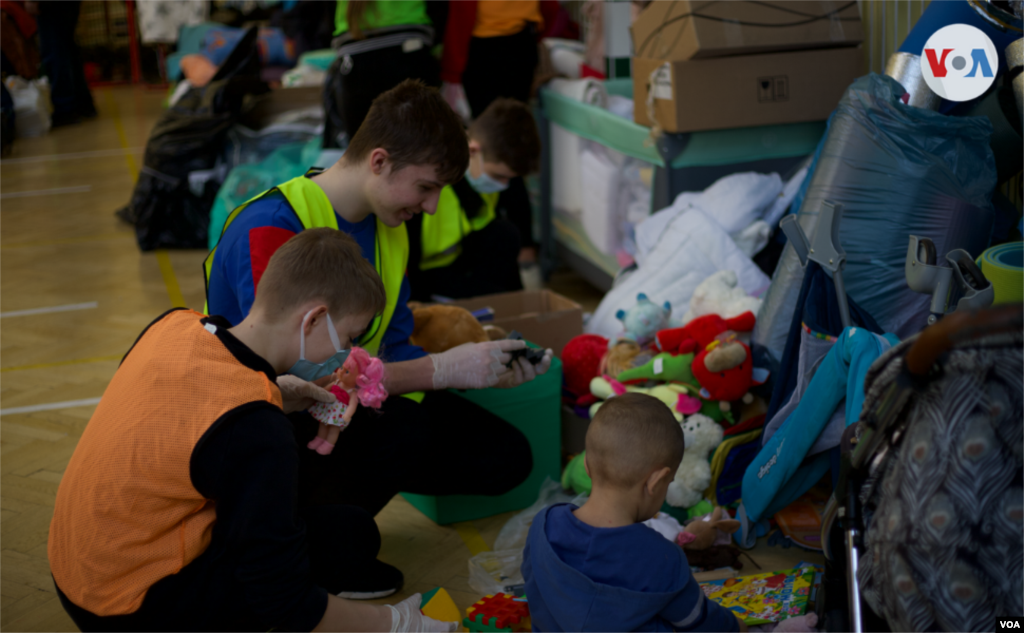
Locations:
(764, 598)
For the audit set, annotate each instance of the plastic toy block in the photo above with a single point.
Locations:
(498, 613)
(439, 605)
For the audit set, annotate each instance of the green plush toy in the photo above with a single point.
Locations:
(575, 476)
(665, 367)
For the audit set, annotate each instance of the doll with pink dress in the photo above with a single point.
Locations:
(358, 382)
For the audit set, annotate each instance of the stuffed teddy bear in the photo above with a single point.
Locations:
(644, 319)
(675, 397)
(699, 333)
(438, 328)
(702, 533)
(726, 372)
(581, 358)
(719, 294)
(621, 357)
(701, 435)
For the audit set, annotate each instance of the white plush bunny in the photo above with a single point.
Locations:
(701, 435)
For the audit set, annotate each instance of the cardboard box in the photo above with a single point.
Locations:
(684, 30)
(543, 317)
(744, 91)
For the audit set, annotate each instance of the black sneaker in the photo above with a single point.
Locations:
(376, 581)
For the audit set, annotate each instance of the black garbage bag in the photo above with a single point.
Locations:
(167, 212)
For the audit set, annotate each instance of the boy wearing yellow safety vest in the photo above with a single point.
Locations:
(409, 147)
(178, 509)
(464, 249)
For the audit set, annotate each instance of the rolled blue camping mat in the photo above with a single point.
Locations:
(1003, 265)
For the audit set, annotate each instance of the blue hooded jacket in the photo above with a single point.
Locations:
(562, 598)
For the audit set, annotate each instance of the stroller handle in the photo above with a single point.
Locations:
(958, 327)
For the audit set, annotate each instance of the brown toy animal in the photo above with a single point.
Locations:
(438, 328)
(700, 534)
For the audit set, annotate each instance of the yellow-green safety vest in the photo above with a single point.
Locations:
(391, 253)
(443, 232)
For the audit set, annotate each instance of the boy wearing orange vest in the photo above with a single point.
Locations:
(177, 510)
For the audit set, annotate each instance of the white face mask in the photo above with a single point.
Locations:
(311, 371)
(485, 184)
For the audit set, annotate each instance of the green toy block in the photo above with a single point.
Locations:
(535, 409)
(474, 626)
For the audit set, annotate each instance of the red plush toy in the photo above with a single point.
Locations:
(724, 371)
(581, 360)
(700, 332)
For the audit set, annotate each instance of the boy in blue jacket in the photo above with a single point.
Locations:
(598, 568)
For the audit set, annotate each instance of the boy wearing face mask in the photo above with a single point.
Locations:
(178, 508)
(471, 245)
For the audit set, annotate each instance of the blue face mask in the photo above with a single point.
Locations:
(485, 184)
(309, 371)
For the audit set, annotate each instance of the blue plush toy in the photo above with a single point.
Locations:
(644, 320)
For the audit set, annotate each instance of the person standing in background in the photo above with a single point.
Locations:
(62, 58)
(490, 47)
(379, 45)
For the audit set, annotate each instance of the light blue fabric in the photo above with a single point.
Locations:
(778, 476)
(190, 41)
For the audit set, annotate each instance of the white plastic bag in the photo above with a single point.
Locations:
(31, 106)
(513, 534)
(493, 572)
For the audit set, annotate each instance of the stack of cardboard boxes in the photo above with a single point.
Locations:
(719, 65)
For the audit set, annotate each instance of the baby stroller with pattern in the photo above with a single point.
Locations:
(925, 530)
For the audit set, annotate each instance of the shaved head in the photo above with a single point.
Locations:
(630, 436)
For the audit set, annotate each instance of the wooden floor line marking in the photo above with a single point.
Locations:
(100, 153)
(68, 240)
(471, 537)
(122, 138)
(45, 192)
(64, 308)
(170, 280)
(69, 404)
(60, 363)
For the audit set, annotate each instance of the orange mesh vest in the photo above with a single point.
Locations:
(127, 514)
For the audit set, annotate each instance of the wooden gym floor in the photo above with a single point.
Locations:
(75, 294)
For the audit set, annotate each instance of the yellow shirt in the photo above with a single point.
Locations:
(505, 17)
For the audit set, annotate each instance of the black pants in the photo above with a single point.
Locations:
(207, 596)
(503, 67)
(486, 265)
(351, 88)
(500, 67)
(63, 59)
(445, 445)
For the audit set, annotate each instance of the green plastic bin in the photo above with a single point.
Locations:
(535, 409)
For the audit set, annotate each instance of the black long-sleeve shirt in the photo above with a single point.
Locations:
(255, 574)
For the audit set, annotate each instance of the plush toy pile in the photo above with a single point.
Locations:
(702, 371)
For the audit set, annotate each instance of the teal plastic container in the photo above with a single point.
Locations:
(535, 409)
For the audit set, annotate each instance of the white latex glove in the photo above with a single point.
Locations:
(525, 371)
(406, 616)
(299, 395)
(473, 365)
(455, 95)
